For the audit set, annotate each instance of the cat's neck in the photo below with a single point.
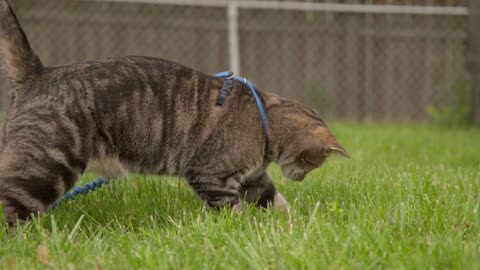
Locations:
(279, 132)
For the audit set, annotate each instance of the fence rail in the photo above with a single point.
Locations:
(310, 6)
(355, 61)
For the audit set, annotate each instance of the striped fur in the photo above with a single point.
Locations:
(145, 115)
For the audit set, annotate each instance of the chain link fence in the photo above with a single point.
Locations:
(369, 59)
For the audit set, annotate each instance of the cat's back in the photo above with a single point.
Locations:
(125, 73)
(116, 82)
(143, 108)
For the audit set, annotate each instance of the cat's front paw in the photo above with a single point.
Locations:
(280, 202)
(237, 207)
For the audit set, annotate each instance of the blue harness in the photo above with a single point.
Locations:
(228, 79)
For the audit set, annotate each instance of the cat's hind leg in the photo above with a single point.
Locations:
(32, 178)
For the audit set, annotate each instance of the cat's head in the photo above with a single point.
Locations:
(308, 152)
(305, 141)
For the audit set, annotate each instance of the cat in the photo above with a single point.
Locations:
(145, 115)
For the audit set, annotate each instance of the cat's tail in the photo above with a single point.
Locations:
(21, 61)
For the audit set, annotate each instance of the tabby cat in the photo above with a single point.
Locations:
(145, 115)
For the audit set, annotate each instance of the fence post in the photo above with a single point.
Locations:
(474, 14)
(233, 37)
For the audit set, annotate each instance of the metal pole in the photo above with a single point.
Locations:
(233, 39)
(475, 58)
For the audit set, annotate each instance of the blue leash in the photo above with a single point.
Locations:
(71, 195)
(228, 79)
(227, 85)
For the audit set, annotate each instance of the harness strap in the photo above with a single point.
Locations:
(228, 76)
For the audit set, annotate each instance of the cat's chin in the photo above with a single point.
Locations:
(294, 175)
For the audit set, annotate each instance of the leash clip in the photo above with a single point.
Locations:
(226, 88)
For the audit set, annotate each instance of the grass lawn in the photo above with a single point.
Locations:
(408, 198)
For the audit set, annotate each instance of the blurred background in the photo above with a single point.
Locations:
(382, 60)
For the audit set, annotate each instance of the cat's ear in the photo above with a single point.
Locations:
(329, 142)
(337, 148)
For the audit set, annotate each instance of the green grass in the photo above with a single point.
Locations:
(408, 198)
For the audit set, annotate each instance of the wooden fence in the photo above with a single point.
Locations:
(354, 66)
